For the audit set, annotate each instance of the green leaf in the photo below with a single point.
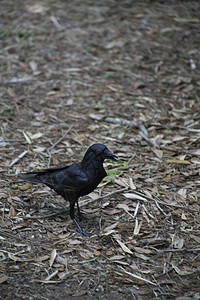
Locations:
(88, 260)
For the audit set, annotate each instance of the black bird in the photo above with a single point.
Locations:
(75, 180)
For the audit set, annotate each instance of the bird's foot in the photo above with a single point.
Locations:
(83, 233)
(80, 230)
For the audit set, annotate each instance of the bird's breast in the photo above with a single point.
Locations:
(94, 179)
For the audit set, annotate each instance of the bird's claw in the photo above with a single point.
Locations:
(83, 233)
(80, 230)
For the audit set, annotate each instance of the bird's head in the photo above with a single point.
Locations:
(99, 152)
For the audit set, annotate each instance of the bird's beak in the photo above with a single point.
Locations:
(110, 155)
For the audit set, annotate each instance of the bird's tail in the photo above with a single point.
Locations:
(33, 176)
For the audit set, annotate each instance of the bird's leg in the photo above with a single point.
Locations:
(79, 229)
(79, 215)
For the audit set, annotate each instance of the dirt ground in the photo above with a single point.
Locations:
(125, 74)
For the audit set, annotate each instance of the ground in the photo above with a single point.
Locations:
(125, 74)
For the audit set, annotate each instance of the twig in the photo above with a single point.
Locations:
(86, 202)
(21, 155)
(159, 201)
(130, 159)
(61, 211)
(162, 211)
(174, 250)
(136, 276)
(177, 150)
(56, 143)
(169, 270)
(11, 141)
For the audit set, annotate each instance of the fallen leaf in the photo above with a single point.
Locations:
(182, 192)
(124, 247)
(3, 195)
(13, 257)
(52, 257)
(52, 235)
(142, 250)
(36, 135)
(117, 257)
(15, 160)
(158, 153)
(131, 184)
(178, 161)
(178, 242)
(27, 138)
(167, 178)
(96, 252)
(3, 278)
(196, 238)
(137, 227)
(111, 227)
(123, 206)
(12, 212)
(39, 149)
(134, 196)
(25, 187)
(182, 272)
(109, 252)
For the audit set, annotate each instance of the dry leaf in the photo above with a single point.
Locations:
(84, 255)
(35, 135)
(111, 227)
(3, 195)
(52, 235)
(131, 184)
(27, 138)
(178, 242)
(37, 8)
(178, 161)
(182, 192)
(117, 257)
(137, 227)
(14, 161)
(39, 149)
(20, 225)
(121, 182)
(123, 206)
(3, 278)
(167, 178)
(142, 250)
(42, 258)
(109, 252)
(134, 196)
(12, 212)
(52, 257)
(13, 257)
(96, 252)
(25, 187)
(182, 272)
(196, 238)
(158, 153)
(51, 276)
(124, 247)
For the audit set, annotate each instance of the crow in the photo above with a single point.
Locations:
(75, 180)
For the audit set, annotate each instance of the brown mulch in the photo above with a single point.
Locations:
(125, 74)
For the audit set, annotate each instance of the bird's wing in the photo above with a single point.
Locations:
(74, 176)
(37, 176)
(70, 177)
